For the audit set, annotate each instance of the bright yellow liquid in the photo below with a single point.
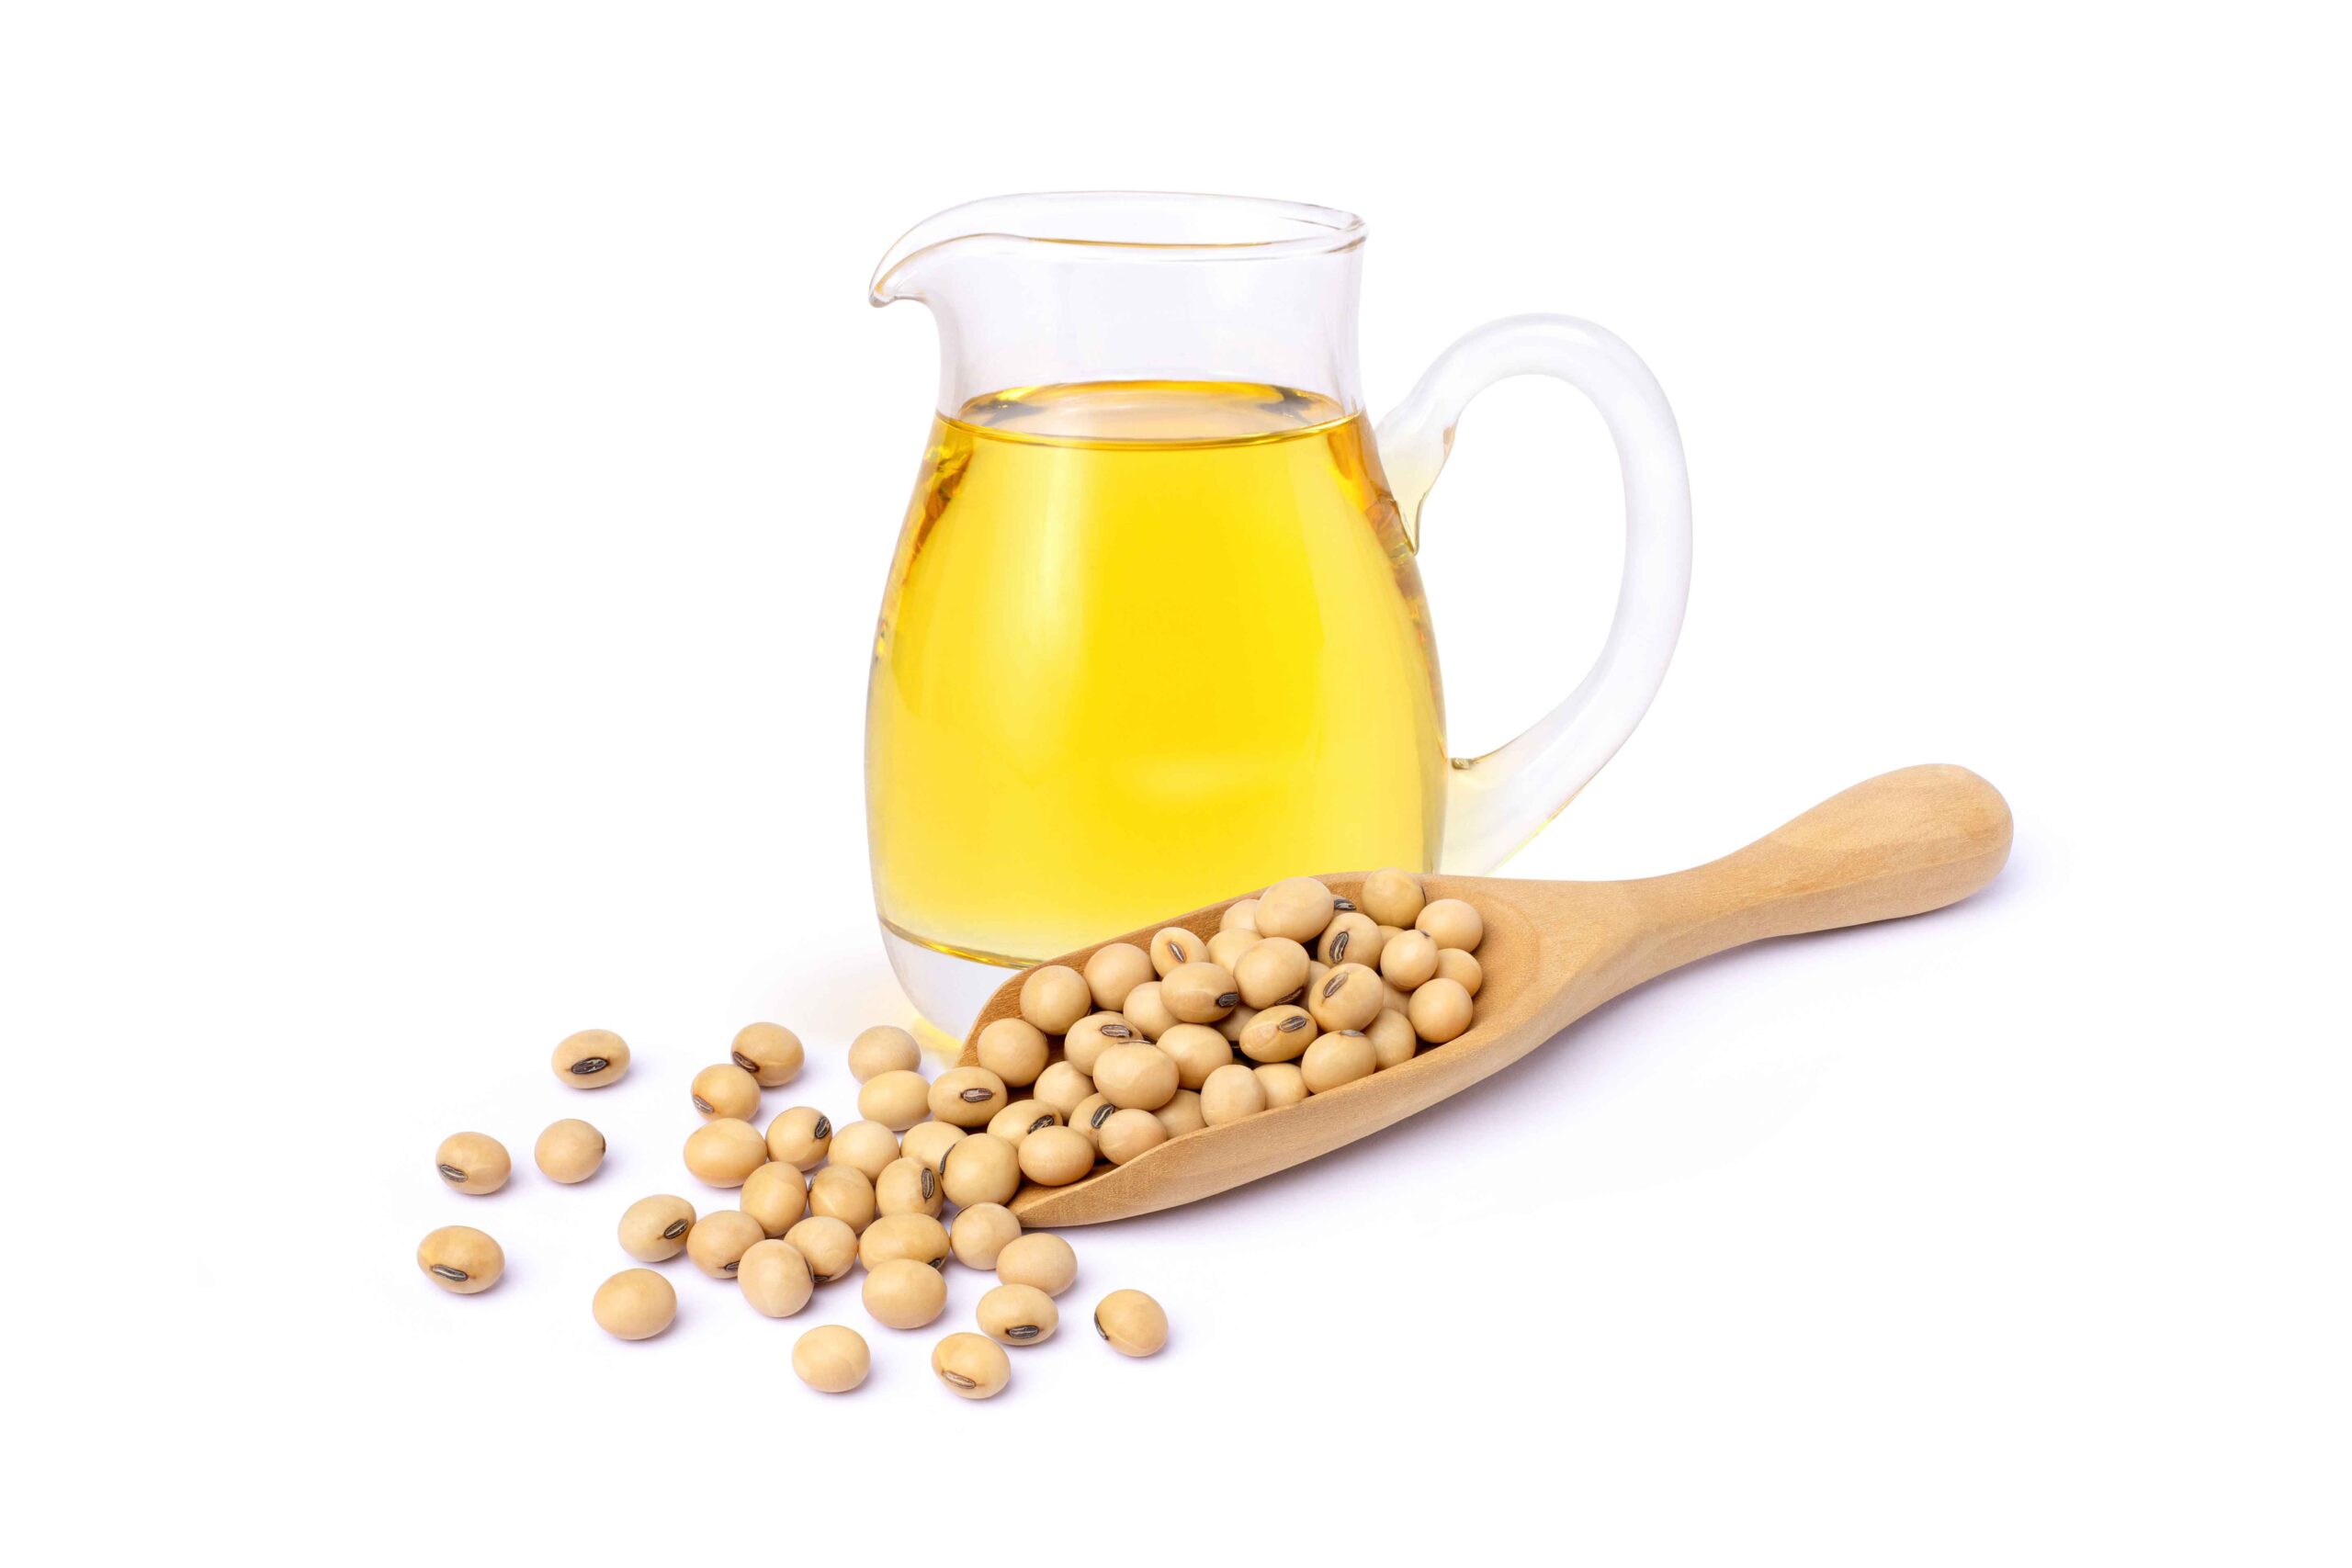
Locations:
(1146, 645)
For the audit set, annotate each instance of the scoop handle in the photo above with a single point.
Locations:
(1902, 843)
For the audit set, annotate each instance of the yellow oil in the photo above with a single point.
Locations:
(1146, 645)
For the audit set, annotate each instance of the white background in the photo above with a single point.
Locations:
(448, 467)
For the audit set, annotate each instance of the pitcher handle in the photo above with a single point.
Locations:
(1496, 803)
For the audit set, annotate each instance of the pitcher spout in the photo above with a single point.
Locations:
(913, 265)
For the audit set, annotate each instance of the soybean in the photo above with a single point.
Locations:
(903, 1293)
(718, 1241)
(1283, 1084)
(1174, 947)
(461, 1259)
(1439, 1010)
(1351, 938)
(1279, 1034)
(983, 1168)
(1199, 992)
(884, 1048)
(895, 1236)
(1348, 998)
(1146, 1009)
(636, 1304)
(865, 1147)
(1055, 1156)
(967, 1097)
(654, 1229)
(1114, 971)
(1062, 1086)
(1273, 970)
(1451, 922)
(1013, 1049)
(722, 1153)
(908, 1187)
(591, 1059)
(725, 1090)
(1131, 1323)
(1391, 896)
(800, 1138)
(1039, 1259)
(1393, 1041)
(1409, 961)
(1231, 1093)
(776, 1279)
(1054, 997)
(1182, 1114)
(769, 1052)
(1298, 908)
(472, 1163)
(832, 1360)
(898, 1099)
(1460, 967)
(1197, 1050)
(1242, 915)
(838, 1193)
(569, 1151)
(971, 1366)
(776, 1195)
(1338, 1059)
(1126, 1133)
(981, 1233)
(829, 1247)
(1140, 1077)
(1017, 1315)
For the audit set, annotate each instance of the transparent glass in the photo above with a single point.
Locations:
(1154, 633)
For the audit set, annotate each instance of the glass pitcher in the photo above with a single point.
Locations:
(1154, 635)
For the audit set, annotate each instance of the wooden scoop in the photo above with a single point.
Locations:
(1899, 844)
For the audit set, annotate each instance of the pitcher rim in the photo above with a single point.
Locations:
(1296, 228)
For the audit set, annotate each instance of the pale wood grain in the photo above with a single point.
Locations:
(1899, 844)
